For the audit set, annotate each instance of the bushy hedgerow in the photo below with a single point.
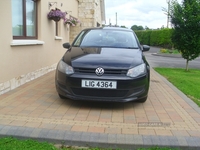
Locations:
(161, 37)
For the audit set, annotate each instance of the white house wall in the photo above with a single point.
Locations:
(25, 60)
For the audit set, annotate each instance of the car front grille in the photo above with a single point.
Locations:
(106, 71)
(99, 92)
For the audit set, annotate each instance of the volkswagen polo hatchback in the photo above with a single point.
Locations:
(104, 64)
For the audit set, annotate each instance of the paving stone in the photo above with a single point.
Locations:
(43, 133)
(197, 140)
(68, 136)
(4, 130)
(173, 141)
(192, 141)
(76, 136)
(27, 132)
(147, 140)
(60, 135)
(19, 131)
(155, 140)
(94, 138)
(121, 142)
(138, 140)
(76, 139)
(49, 136)
(112, 138)
(12, 130)
(1, 127)
(182, 141)
(35, 133)
(85, 139)
(112, 141)
(121, 139)
(52, 133)
(163, 140)
(103, 140)
(176, 103)
(129, 139)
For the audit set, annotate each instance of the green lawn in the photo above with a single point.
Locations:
(187, 82)
(15, 144)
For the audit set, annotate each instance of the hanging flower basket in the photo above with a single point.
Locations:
(56, 14)
(71, 21)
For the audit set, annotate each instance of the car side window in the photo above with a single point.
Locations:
(79, 39)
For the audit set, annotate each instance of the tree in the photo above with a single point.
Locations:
(146, 28)
(185, 20)
(123, 27)
(135, 28)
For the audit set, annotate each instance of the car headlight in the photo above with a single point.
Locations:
(136, 71)
(65, 68)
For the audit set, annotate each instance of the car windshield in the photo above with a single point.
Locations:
(106, 38)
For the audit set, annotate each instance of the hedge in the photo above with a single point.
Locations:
(161, 38)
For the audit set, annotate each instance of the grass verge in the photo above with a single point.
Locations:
(187, 82)
(15, 144)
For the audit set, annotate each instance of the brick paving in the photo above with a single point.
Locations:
(167, 118)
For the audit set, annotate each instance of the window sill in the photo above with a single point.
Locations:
(26, 42)
(58, 38)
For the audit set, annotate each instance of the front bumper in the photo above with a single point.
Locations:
(128, 89)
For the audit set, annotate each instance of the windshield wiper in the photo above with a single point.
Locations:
(131, 47)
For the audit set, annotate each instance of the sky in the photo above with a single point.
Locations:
(136, 12)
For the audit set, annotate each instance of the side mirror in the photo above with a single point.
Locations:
(145, 48)
(66, 45)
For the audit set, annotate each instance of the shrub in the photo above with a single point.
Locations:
(160, 37)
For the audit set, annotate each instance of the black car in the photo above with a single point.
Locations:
(104, 64)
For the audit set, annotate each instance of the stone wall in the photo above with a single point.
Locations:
(89, 13)
(18, 81)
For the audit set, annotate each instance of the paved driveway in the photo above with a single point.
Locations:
(166, 118)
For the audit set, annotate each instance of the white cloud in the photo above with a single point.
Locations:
(136, 12)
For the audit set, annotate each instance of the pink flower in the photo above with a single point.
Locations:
(71, 21)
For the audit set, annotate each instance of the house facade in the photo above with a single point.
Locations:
(91, 13)
(31, 44)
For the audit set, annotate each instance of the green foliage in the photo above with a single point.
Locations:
(164, 51)
(155, 37)
(14, 144)
(144, 36)
(185, 19)
(158, 148)
(160, 37)
(187, 82)
(135, 28)
(147, 28)
(123, 27)
(167, 51)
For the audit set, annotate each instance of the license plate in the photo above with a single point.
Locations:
(99, 84)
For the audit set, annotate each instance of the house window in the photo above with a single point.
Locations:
(24, 19)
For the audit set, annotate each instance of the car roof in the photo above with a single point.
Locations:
(110, 28)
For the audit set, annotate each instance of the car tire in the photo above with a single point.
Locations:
(61, 96)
